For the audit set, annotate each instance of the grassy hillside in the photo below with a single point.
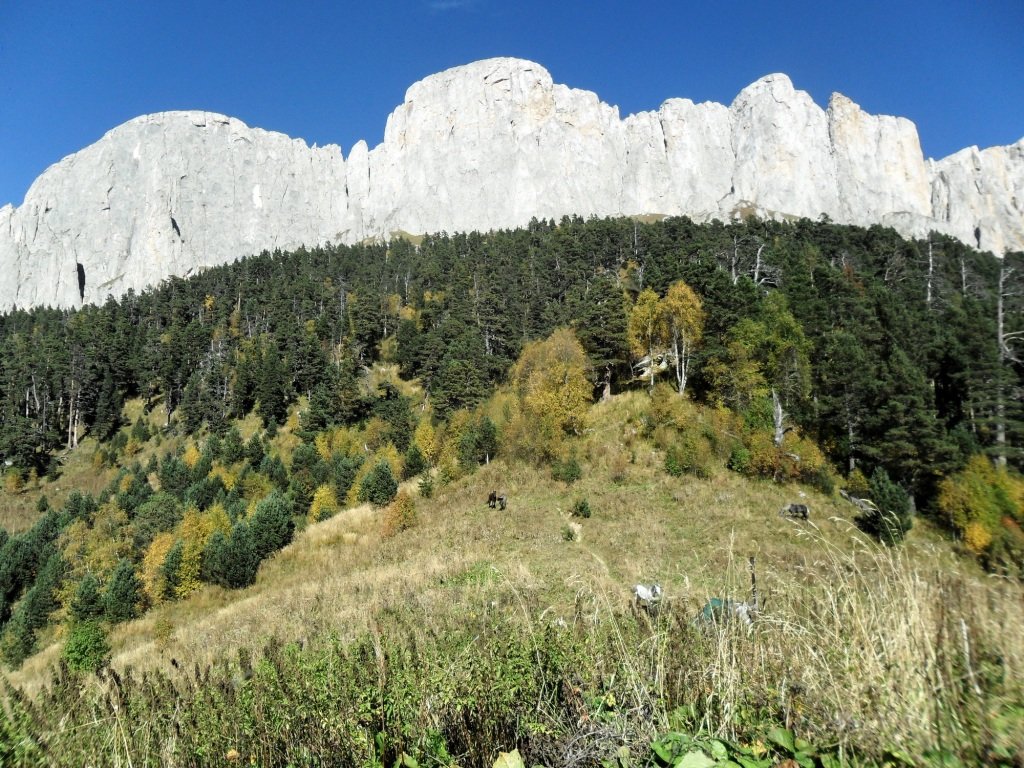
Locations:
(477, 630)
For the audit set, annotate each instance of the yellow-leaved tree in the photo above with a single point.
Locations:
(426, 440)
(646, 330)
(984, 503)
(196, 529)
(154, 580)
(551, 383)
(682, 318)
(324, 505)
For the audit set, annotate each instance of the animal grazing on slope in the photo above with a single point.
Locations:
(647, 597)
(497, 499)
(719, 610)
(800, 511)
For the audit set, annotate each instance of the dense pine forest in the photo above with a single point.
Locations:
(831, 356)
(889, 353)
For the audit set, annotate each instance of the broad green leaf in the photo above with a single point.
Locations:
(784, 738)
(694, 759)
(663, 750)
(509, 760)
(718, 750)
(903, 757)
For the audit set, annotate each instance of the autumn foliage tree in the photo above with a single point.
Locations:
(646, 328)
(682, 320)
(553, 390)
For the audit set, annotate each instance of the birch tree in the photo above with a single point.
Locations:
(682, 316)
(646, 328)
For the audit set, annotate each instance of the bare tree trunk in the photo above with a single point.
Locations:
(931, 271)
(1000, 428)
(779, 416)
(1006, 356)
(757, 264)
(734, 273)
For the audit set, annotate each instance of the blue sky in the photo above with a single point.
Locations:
(331, 72)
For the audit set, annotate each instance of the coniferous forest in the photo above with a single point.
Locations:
(834, 356)
(889, 353)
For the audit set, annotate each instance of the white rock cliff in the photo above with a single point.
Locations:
(487, 145)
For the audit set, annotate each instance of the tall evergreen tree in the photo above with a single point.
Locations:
(123, 593)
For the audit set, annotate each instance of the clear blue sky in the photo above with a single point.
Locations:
(331, 72)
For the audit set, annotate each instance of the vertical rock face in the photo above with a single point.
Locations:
(980, 195)
(488, 145)
(879, 165)
(163, 195)
(783, 159)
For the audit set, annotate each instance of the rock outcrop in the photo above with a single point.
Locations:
(488, 145)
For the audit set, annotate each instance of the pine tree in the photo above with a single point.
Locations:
(171, 570)
(254, 451)
(414, 462)
(123, 593)
(272, 386)
(271, 524)
(232, 450)
(231, 561)
(891, 518)
(379, 486)
(87, 602)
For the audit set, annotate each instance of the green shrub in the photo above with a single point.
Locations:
(690, 454)
(567, 471)
(426, 486)
(581, 508)
(739, 459)
(891, 518)
(87, 649)
(820, 478)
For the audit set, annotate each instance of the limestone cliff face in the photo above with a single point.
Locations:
(488, 145)
(162, 195)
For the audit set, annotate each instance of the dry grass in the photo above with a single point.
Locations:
(859, 644)
(18, 511)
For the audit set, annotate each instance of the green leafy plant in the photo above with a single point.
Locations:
(581, 508)
(87, 649)
(568, 470)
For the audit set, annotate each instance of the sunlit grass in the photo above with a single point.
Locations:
(858, 646)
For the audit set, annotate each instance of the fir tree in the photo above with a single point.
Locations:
(379, 486)
(271, 524)
(87, 602)
(171, 569)
(124, 590)
(891, 518)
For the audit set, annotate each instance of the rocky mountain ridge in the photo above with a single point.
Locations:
(483, 146)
